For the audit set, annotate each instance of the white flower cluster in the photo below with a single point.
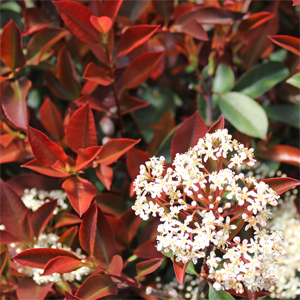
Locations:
(286, 218)
(199, 208)
(50, 241)
(34, 199)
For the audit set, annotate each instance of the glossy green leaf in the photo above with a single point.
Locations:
(294, 80)
(244, 114)
(260, 79)
(287, 114)
(224, 79)
(218, 295)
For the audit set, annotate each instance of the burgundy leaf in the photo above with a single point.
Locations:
(281, 185)
(134, 159)
(28, 289)
(80, 193)
(188, 134)
(14, 101)
(148, 250)
(3, 258)
(133, 37)
(67, 219)
(194, 29)
(147, 267)
(77, 17)
(164, 8)
(82, 122)
(68, 236)
(218, 125)
(11, 46)
(8, 238)
(67, 295)
(130, 104)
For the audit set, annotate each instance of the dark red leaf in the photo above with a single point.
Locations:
(62, 264)
(38, 48)
(67, 295)
(77, 17)
(194, 29)
(94, 103)
(85, 156)
(8, 238)
(82, 122)
(45, 151)
(42, 216)
(111, 8)
(255, 20)
(67, 219)
(281, 185)
(283, 153)
(3, 259)
(131, 222)
(218, 125)
(140, 69)
(36, 166)
(102, 24)
(130, 104)
(11, 46)
(39, 257)
(12, 210)
(28, 289)
(26, 227)
(105, 174)
(164, 8)
(111, 204)
(133, 37)
(51, 119)
(147, 267)
(80, 193)
(134, 159)
(97, 74)
(179, 269)
(68, 236)
(290, 43)
(97, 286)
(14, 101)
(114, 149)
(148, 250)
(188, 134)
(96, 236)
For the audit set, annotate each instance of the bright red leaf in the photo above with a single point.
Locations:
(14, 101)
(67, 219)
(147, 267)
(281, 185)
(82, 123)
(218, 125)
(111, 8)
(102, 24)
(105, 174)
(290, 43)
(296, 2)
(133, 37)
(188, 134)
(17, 151)
(39, 257)
(179, 269)
(114, 149)
(97, 74)
(255, 20)
(11, 46)
(80, 193)
(8, 238)
(85, 156)
(77, 17)
(97, 286)
(62, 264)
(140, 69)
(96, 236)
(45, 151)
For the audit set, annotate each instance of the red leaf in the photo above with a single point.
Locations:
(296, 2)
(130, 104)
(94, 103)
(114, 149)
(116, 265)
(36, 166)
(67, 219)
(97, 286)
(66, 73)
(134, 159)
(85, 156)
(188, 134)
(45, 151)
(68, 236)
(3, 259)
(283, 153)
(132, 224)
(133, 37)
(67, 295)
(96, 236)
(62, 264)
(111, 204)
(11, 46)
(105, 174)
(194, 29)
(218, 125)
(148, 250)
(42, 216)
(17, 151)
(255, 20)
(28, 289)
(51, 119)
(8, 238)
(102, 24)
(147, 267)
(281, 185)
(77, 18)
(82, 122)
(6, 139)
(14, 101)
(12, 209)
(111, 8)
(80, 193)
(39, 257)
(290, 43)
(35, 19)
(179, 269)
(164, 8)
(40, 44)
(96, 74)
(140, 69)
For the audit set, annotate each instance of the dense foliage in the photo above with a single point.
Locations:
(115, 111)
